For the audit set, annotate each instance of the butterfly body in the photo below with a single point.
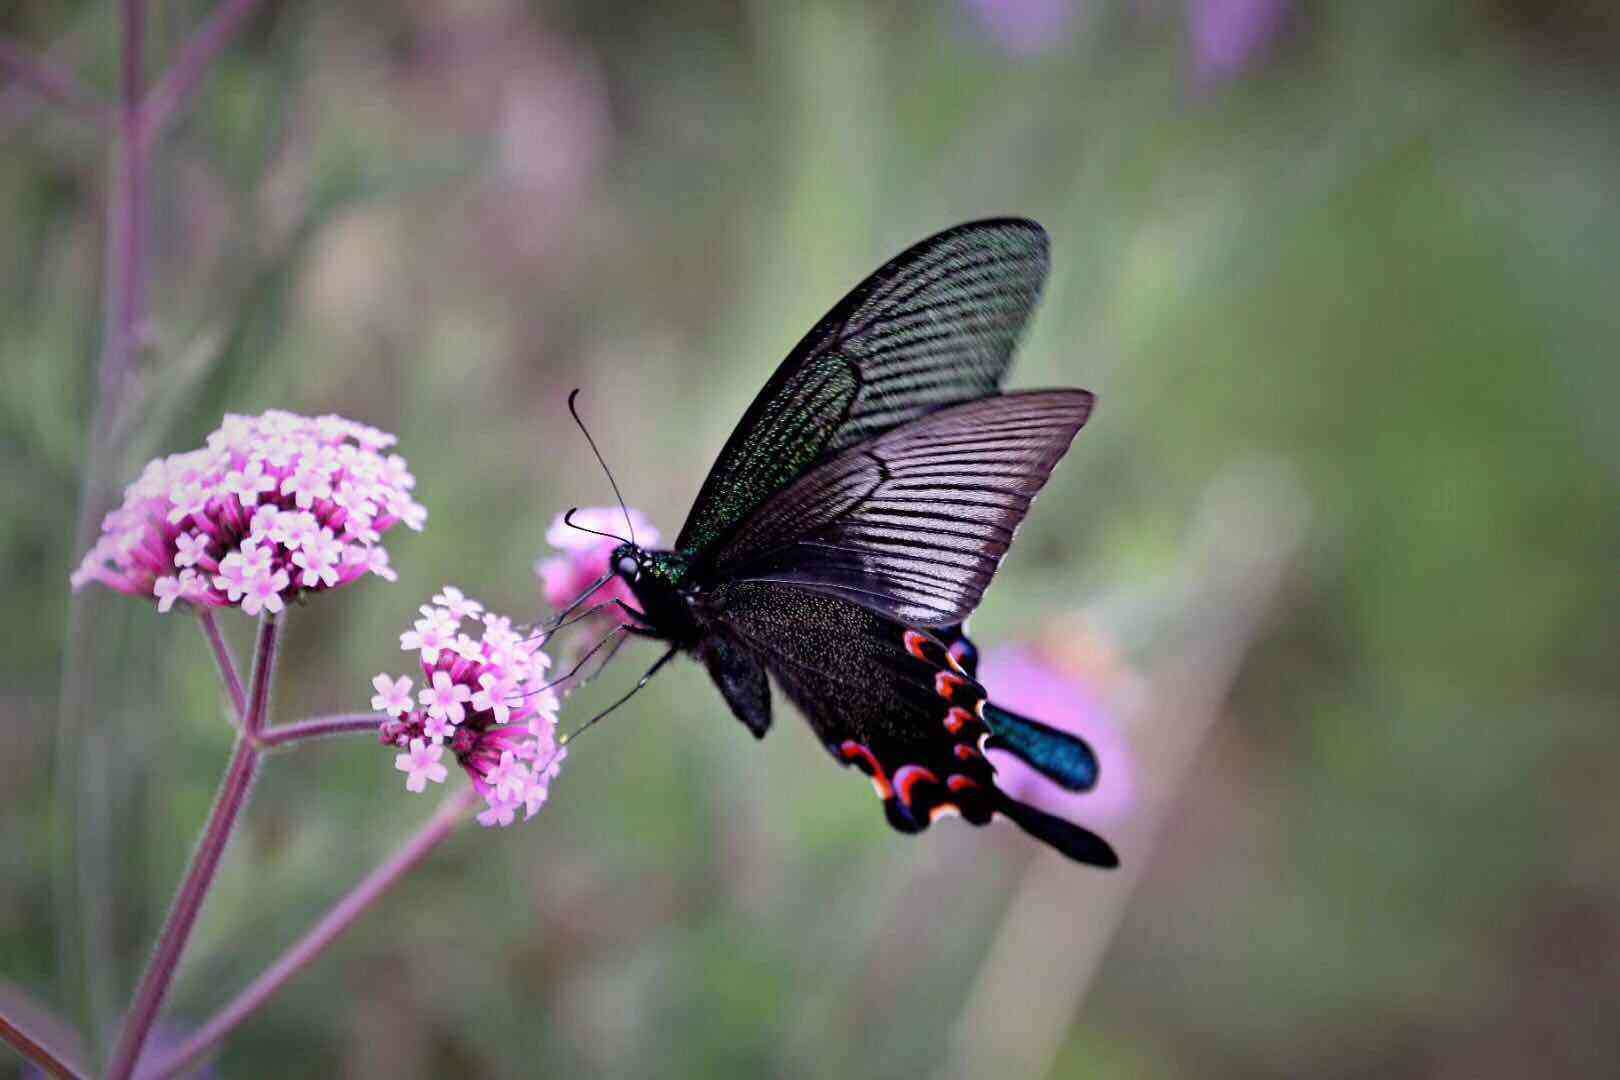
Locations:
(853, 521)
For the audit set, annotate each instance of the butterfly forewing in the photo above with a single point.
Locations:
(935, 326)
(913, 523)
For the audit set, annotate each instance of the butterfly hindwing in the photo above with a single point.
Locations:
(741, 681)
(933, 327)
(914, 522)
(890, 700)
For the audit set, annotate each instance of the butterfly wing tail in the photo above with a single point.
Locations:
(1063, 758)
(1077, 842)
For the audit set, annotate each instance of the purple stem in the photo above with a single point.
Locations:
(126, 247)
(227, 663)
(50, 81)
(319, 727)
(35, 1050)
(198, 53)
(233, 793)
(342, 915)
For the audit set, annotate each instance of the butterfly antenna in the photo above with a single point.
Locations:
(568, 520)
(573, 411)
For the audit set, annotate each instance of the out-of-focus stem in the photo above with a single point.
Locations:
(319, 727)
(342, 915)
(35, 1050)
(233, 794)
(226, 663)
(196, 56)
(126, 221)
(50, 81)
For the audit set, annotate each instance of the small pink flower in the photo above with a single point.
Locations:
(458, 605)
(504, 735)
(420, 764)
(319, 558)
(445, 698)
(393, 696)
(248, 482)
(376, 562)
(495, 695)
(509, 778)
(498, 814)
(430, 636)
(307, 483)
(254, 508)
(264, 592)
(167, 590)
(189, 550)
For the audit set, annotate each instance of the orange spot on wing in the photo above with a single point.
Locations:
(854, 752)
(917, 645)
(908, 777)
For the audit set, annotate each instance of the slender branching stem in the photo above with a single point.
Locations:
(226, 663)
(51, 81)
(35, 1050)
(339, 918)
(199, 877)
(319, 727)
(173, 90)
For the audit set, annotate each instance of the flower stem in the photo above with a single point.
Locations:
(125, 310)
(35, 1050)
(319, 727)
(196, 56)
(233, 793)
(341, 916)
(226, 663)
(50, 81)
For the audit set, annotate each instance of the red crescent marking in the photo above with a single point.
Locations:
(955, 718)
(915, 644)
(854, 751)
(908, 777)
(958, 782)
(964, 752)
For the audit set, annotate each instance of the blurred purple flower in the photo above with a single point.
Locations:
(1024, 26)
(1021, 679)
(583, 558)
(1227, 35)
(274, 506)
(486, 701)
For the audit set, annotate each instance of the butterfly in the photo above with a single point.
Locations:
(853, 521)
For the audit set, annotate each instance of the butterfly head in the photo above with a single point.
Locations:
(628, 562)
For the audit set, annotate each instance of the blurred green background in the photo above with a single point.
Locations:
(1368, 251)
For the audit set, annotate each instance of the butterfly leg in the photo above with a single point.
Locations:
(628, 694)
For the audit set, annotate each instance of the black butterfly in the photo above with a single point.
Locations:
(855, 518)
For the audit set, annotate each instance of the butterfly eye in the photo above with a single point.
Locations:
(629, 567)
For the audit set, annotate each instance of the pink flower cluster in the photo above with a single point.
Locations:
(584, 557)
(485, 700)
(274, 506)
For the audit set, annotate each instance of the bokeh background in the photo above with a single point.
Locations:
(1333, 569)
